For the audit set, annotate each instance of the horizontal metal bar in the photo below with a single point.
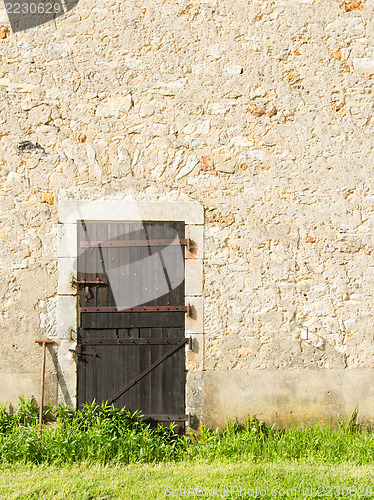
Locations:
(150, 341)
(134, 243)
(90, 328)
(166, 418)
(98, 281)
(136, 309)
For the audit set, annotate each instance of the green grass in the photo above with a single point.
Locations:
(101, 452)
(106, 435)
(160, 481)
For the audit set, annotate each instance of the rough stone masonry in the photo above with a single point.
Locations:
(260, 110)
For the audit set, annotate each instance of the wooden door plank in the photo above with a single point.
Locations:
(89, 271)
(86, 270)
(136, 257)
(156, 376)
(101, 264)
(145, 385)
(101, 292)
(123, 322)
(113, 264)
(81, 377)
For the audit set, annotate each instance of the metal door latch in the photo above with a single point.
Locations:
(80, 353)
(87, 284)
(97, 281)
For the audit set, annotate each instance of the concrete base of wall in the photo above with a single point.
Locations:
(26, 385)
(281, 397)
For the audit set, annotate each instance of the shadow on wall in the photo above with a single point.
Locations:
(25, 15)
(60, 377)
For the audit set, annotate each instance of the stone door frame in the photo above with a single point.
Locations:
(72, 211)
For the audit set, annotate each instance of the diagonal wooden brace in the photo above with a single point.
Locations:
(148, 370)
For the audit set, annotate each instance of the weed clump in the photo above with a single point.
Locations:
(104, 434)
(95, 434)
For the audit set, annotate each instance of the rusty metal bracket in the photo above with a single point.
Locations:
(190, 245)
(186, 309)
(135, 243)
(84, 282)
(72, 334)
(77, 351)
(80, 353)
(190, 343)
(130, 341)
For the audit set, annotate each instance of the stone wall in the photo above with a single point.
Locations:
(263, 112)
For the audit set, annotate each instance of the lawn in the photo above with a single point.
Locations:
(174, 480)
(101, 452)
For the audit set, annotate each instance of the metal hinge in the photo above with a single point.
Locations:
(137, 309)
(186, 242)
(136, 243)
(80, 353)
(168, 418)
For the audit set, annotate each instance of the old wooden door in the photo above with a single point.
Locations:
(131, 334)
